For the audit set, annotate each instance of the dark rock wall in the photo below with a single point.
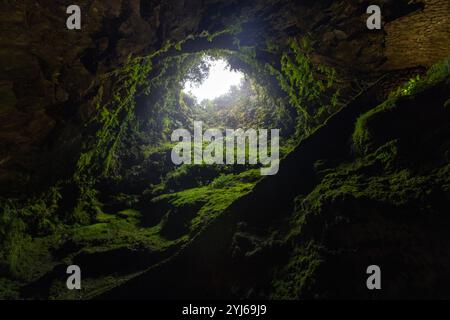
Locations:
(419, 38)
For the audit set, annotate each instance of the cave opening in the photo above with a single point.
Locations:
(223, 91)
(217, 80)
(87, 175)
(127, 198)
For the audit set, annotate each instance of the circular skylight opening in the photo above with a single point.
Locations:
(218, 81)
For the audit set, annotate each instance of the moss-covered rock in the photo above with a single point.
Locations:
(387, 207)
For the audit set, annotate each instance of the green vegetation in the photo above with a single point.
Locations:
(245, 106)
(118, 230)
(28, 258)
(19, 223)
(210, 200)
(383, 183)
(298, 276)
(78, 219)
(362, 136)
(345, 195)
(311, 87)
(127, 206)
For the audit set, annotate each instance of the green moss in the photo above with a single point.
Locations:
(439, 72)
(9, 290)
(229, 180)
(20, 223)
(87, 206)
(24, 258)
(218, 202)
(129, 214)
(212, 199)
(346, 194)
(122, 229)
(379, 178)
(310, 87)
(362, 136)
(114, 116)
(295, 279)
(161, 149)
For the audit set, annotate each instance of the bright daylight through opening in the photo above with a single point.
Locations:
(218, 82)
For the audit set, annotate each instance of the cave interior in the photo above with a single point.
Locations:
(86, 176)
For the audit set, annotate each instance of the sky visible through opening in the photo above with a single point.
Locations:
(218, 82)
